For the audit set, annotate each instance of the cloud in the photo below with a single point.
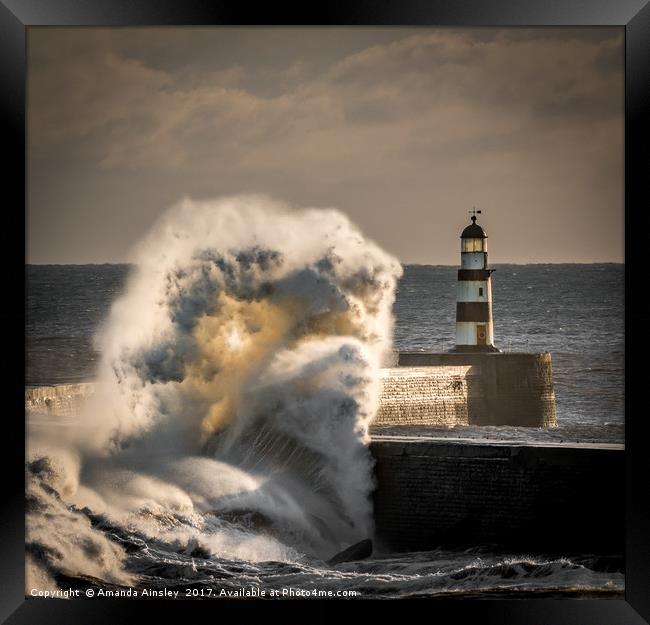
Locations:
(307, 109)
(152, 116)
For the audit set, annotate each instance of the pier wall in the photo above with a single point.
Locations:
(436, 396)
(424, 396)
(425, 390)
(62, 400)
(503, 389)
(432, 492)
(435, 492)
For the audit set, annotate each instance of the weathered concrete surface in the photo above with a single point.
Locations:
(532, 497)
(435, 491)
(424, 396)
(60, 400)
(503, 389)
(439, 390)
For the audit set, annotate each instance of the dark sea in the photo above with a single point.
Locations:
(575, 312)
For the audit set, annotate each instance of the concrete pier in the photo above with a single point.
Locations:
(503, 388)
(61, 400)
(533, 497)
(435, 396)
(430, 492)
(425, 389)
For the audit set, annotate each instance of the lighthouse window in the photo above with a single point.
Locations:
(473, 245)
(480, 291)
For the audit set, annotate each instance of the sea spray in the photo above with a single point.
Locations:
(239, 376)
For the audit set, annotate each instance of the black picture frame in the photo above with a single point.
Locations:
(634, 15)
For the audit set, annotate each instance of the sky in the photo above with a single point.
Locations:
(403, 129)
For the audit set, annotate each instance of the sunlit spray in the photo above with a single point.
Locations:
(238, 380)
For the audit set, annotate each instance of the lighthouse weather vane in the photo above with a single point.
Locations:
(474, 212)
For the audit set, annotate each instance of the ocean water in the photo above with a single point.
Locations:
(573, 311)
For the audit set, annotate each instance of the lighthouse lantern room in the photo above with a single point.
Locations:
(474, 326)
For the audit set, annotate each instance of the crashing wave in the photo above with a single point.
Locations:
(239, 377)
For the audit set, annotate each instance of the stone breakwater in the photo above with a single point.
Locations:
(433, 492)
(435, 396)
(502, 388)
(440, 390)
(61, 400)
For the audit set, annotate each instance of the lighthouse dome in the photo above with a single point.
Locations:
(473, 231)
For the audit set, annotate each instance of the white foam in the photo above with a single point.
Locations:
(239, 374)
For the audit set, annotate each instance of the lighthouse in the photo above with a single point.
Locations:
(474, 327)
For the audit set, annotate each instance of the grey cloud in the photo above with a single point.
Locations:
(123, 122)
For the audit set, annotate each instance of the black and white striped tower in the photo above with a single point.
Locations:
(474, 326)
